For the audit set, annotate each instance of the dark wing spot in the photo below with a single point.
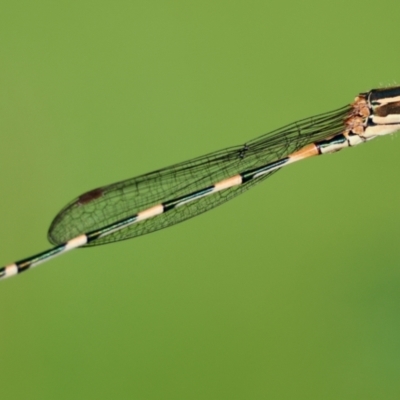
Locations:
(90, 196)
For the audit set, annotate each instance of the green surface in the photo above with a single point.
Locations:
(290, 291)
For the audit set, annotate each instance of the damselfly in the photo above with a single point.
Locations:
(165, 197)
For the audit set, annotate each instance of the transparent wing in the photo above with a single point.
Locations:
(109, 204)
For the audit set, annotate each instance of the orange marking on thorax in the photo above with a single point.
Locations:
(360, 107)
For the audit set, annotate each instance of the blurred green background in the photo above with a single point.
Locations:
(290, 291)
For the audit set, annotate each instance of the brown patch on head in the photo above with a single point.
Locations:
(386, 109)
(90, 196)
